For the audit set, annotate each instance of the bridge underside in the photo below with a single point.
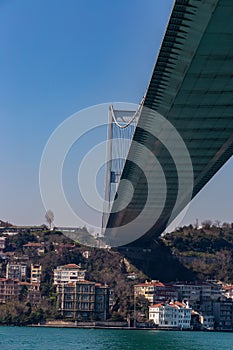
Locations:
(191, 87)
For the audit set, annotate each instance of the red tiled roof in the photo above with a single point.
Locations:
(71, 266)
(228, 287)
(101, 285)
(157, 305)
(24, 283)
(8, 279)
(172, 304)
(178, 303)
(148, 284)
(32, 244)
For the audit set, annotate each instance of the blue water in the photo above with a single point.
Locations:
(26, 338)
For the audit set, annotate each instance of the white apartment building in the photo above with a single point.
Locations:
(68, 273)
(172, 315)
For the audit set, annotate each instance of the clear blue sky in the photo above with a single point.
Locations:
(58, 57)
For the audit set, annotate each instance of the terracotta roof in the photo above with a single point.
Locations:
(32, 244)
(152, 284)
(24, 283)
(71, 266)
(101, 285)
(8, 279)
(172, 304)
(157, 305)
(177, 303)
(227, 287)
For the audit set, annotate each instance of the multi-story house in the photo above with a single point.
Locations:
(156, 291)
(68, 273)
(33, 292)
(223, 315)
(33, 249)
(36, 272)
(9, 290)
(207, 321)
(197, 293)
(172, 315)
(16, 271)
(83, 300)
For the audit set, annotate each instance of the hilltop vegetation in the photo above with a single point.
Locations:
(206, 250)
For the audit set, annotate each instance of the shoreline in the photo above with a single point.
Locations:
(111, 327)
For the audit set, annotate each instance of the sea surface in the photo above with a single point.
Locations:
(36, 338)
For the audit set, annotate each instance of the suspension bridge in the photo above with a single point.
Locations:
(182, 133)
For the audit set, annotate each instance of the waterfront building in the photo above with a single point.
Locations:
(155, 291)
(197, 293)
(83, 300)
(223, 315)
(68, 273)
(207, 321)
(172, 315)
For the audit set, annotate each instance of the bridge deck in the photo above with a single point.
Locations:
(192, 87)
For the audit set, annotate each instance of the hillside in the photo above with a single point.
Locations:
(104, 266)
(207, 250)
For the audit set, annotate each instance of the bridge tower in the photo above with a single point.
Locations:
(121, 127)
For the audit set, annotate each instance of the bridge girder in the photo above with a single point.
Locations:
(191, 87)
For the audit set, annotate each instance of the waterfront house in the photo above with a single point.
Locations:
(171, 315)
(83, 300)
(155, 291)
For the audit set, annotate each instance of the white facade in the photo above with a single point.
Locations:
(68, 273)
(172, 315)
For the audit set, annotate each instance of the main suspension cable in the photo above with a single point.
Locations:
(137, 113)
